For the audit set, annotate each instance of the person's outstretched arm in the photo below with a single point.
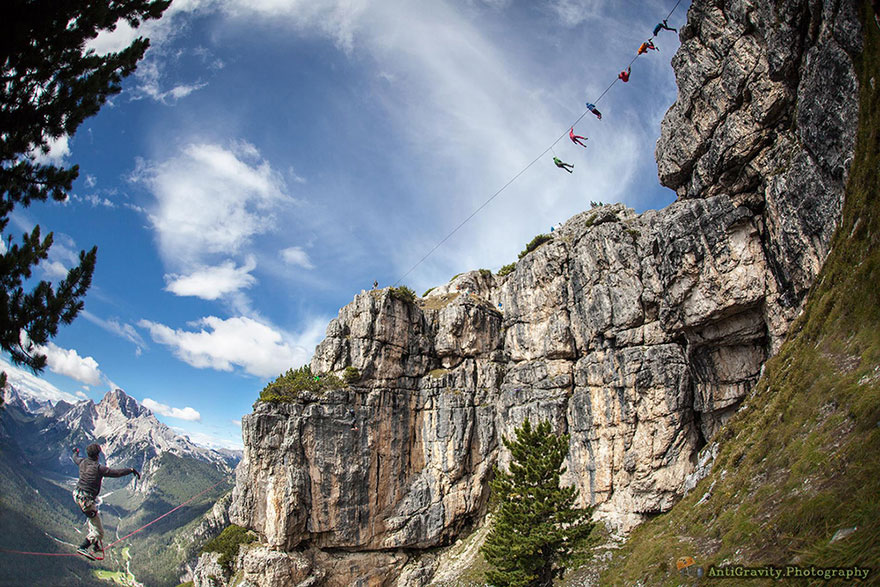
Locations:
(108, 472)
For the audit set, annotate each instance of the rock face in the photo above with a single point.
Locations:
(638, 335)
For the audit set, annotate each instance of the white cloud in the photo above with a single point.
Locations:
(571, 13)
(211, 283)
(150, 75)
(183, 90)
(220, 344)
(297, 256)
(62, 257)
(26, 382)
(96, 201)
(121, 329)
(186, 413)
(115, 40)
(211, 200)
(236, 423)
(58, 150)
(338, 19)
(54, 270)
(68, 362)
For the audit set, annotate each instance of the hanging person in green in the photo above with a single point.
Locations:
(91, 473)
(559, 163)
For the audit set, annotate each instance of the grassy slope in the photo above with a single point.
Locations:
(802, 460)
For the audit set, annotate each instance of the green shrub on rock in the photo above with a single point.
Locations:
(288, 385)
(535, 243)
(228, 543)
(507, 269)
(403, 293)
(351, 375)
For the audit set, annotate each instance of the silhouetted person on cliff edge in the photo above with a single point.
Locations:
(91, 473)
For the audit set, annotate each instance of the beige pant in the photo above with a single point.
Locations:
(87, 504)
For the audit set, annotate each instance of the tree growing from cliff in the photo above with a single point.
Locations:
(536, 529)
(50, 84)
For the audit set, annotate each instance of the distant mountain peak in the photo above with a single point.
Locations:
(118, 400)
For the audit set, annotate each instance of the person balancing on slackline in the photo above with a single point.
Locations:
(91, 473)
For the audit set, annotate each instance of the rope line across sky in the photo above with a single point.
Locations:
(529, 165)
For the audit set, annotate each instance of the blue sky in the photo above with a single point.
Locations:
(269, 159)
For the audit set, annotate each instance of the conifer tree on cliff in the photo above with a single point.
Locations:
(49, 85)
(536, 529)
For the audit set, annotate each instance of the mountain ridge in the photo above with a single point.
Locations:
(117, 422)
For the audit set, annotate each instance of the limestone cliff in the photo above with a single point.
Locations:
(636, 334)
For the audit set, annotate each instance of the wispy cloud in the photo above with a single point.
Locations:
(572, 13)
(151, 84)
(297, 256)
(121, 329)
(186, 413)
(258, 348)
(150, 74)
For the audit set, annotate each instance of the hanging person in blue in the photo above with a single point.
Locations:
(592, 108)
(91, 473)
(662, 26)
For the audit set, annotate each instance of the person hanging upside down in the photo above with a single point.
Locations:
(624, 75)
(576, 139)
(662, 26)
(559, 163)
(647, 45)
(91, 472)
(592, 108)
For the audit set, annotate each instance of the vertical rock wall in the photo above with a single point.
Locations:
(639, 335)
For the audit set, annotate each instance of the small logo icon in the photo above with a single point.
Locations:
(687, 566)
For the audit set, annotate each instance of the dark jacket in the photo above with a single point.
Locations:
(91, 472)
